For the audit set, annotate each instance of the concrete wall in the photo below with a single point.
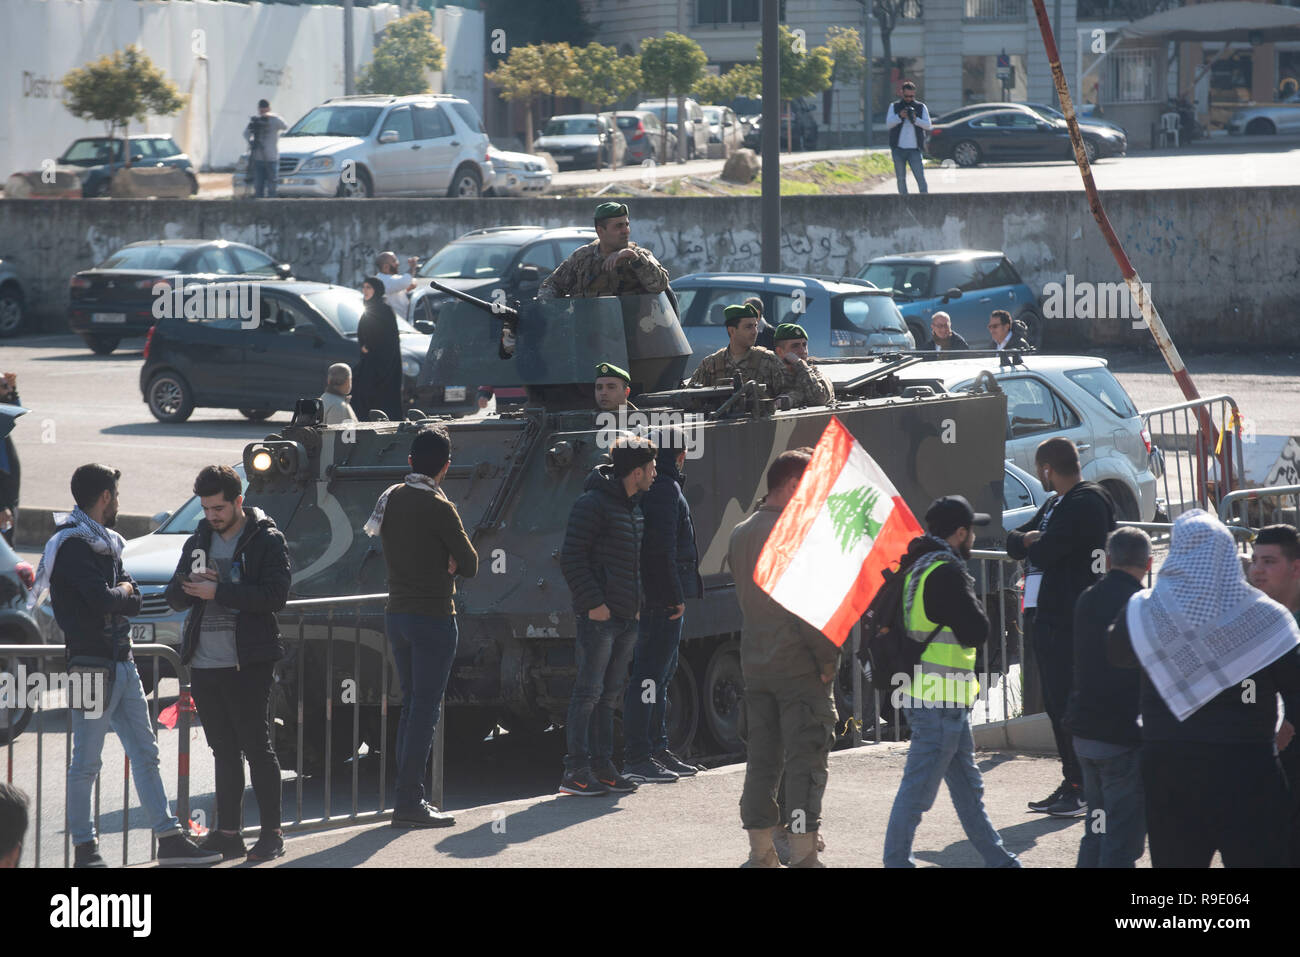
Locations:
(1223, 265)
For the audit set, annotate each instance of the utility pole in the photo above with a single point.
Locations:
(866, 74)
(770, 142)
(348, 88)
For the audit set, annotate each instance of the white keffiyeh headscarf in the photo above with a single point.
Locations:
(1203, 628)
(103, 541)
(415, 480)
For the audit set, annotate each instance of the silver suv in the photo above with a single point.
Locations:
(428, 144)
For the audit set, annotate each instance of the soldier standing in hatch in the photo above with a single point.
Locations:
(613, 386)
(804, 383)
(610, 266)
(742, 357)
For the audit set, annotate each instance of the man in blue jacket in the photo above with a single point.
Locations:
(669, 575)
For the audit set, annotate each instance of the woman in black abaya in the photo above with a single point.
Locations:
(377, 379)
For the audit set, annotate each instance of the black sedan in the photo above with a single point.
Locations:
(1100, 137)
(263, 365)
(997, 136)
(121, 296)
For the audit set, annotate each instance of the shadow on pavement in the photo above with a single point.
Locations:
(1017, 838)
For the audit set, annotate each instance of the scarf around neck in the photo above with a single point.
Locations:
(414, 480)
(102, 541)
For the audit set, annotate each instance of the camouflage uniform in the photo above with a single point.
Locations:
(759, 364)
(583, 275)
(805, 384)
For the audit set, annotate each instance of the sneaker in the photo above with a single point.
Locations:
(1071, 804)
(229, 846)
(179, 851)
(87, 855)
(1051, 799)
(613, 781)
(583, 783)
(269, 846)
(675, 764)
(424, 815)
(649, 772)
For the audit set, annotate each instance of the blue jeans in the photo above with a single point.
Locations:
(655, 660)
(264, 177)
(1116, 837)
(603, 651)
(942, 750)
(904, 159)
(424, 650)
(127, 713)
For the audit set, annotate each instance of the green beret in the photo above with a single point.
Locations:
(788, 330)
(609, 369)
(610, 210)
(733, 314)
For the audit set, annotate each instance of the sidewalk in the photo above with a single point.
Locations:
(695, 823)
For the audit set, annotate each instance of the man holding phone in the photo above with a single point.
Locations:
(907, 120)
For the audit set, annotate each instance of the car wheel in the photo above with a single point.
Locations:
(14, 719)
(170, 397)
(361, 188)
(1260, 127)
(11, 311)
(466, 184)
(1126, 507)
(966, 153)
(918, 334)
(1033, 327)
(101, 345)
(256, 415)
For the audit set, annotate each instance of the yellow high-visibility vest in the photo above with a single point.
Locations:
(947, 668)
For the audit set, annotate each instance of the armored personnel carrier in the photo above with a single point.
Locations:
(514, 476)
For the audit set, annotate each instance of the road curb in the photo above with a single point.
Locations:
(34, 526)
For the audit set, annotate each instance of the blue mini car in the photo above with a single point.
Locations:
(100, 157)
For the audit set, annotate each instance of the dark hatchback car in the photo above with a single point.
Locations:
(263, 367)
(116, 299)
(99, 157)
(1100, 139)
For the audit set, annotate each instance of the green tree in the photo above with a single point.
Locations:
(532, 71)
(804, 72)
(672, 64)
(845, 45)
(404, 55)
(601, 77)
(745, 79)
(118, 88)
(711, 88)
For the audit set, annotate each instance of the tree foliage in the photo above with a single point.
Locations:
(845, 46)
(671, 64)
(803, 71)
(537, 69)
(601, 77)
(119, 87)
(408, 50)
(745, 79)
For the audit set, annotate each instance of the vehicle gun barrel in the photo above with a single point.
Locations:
(496, 308)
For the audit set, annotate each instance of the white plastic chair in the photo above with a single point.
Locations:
(1169, 123)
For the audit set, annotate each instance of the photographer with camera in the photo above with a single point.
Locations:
(908, 119)
(263, 136)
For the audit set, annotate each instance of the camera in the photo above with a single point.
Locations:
(257, 127)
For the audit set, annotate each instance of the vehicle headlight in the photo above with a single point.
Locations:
(410, 367)
(318, 163)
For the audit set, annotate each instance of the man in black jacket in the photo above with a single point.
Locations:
(1065, 547)
(234, 582)
(1103, 711)
(601, 562)
(670, 575)
(93, 597)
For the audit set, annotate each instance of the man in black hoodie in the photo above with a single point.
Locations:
(234, 582)
(670, 575)
(1065, 547)
(601, 562)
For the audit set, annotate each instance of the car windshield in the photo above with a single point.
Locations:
(907, 280)
(571, 127)
(337, 121)
(185, 519)
(93, 152)
(146, 257)
(469, 261)
(1105, 388)
(342, 309)
(713, 115)
(671, 116)
(863, 312)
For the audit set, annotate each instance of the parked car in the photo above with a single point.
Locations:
(1022, 496)
(517, 174)
(645, 136)
(804, 134)
(695, 130)
(17, 627)
(116, 298)
(968, 284)
(1072, 396)
(514, 259)
(1085, 117)
(430, 144)
(1265, 119)
(724, 128)
(1101, 138)
(99, 157)
(841, 318)
(1016, 134)
(222, 363)
(580, 140)
(13, 300)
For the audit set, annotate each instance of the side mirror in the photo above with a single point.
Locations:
(529, 273)
(425, 325)
(388, 136)
(136, 157)
(953, 293)
(283, 270)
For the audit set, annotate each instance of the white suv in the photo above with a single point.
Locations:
(428, 144)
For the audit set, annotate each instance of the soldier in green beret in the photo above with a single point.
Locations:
(805, 384)
(610, 266)
(613, 386)
(742, 357)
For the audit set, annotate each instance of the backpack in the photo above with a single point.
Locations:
(885, 650)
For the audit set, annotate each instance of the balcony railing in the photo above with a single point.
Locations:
(995, 10)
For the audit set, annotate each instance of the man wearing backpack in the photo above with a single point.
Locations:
(941, 610)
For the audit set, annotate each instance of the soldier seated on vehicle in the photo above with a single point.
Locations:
(613, 386)
(805, 384)
(742, 358)
(610, 266)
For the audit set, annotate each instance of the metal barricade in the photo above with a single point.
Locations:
(1200, 452)
(1256, 507)
(17, 658)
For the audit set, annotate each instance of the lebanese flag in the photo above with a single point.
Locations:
(845, 525)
